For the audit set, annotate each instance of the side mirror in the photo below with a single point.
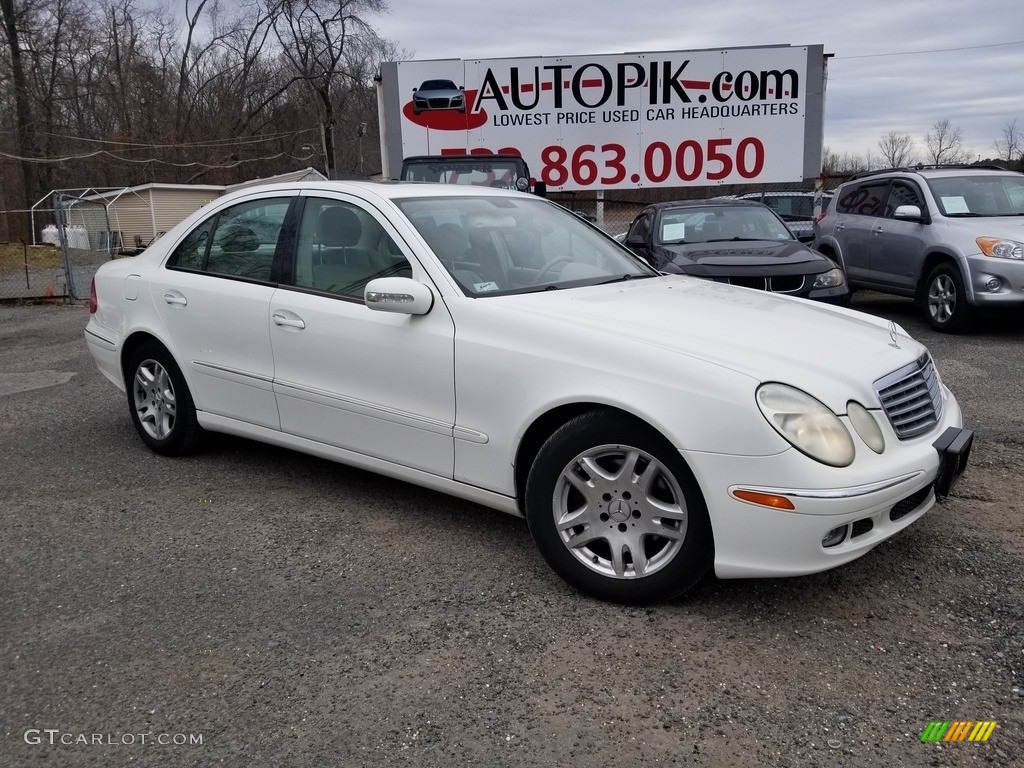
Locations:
(402, 295)
(635, 241)
(908, 213)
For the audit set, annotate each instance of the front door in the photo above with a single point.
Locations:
(377, 383)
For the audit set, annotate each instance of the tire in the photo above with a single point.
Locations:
(945, 300)
(160, 403)
(605, 488)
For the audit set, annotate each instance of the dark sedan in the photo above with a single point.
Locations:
(734, 241)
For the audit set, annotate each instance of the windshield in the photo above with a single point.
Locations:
(718, 223)
(500, 245)
(990, 194)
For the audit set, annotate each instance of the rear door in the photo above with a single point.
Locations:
(857, 210)
(213, 297)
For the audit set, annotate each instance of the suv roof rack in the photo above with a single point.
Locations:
(930, 167)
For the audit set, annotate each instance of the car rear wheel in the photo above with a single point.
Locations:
(945, 303)
(160, 403)
(615, 511)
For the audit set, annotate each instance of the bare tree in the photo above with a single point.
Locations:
(945, 144)
(847, 164)
(14, 16)
(1010, 145)
(315, 36)
(897, 149)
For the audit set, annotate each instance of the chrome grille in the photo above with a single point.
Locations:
(911, 398)
(787, 283)
(783, 284)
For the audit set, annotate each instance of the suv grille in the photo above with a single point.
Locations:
(911, 398)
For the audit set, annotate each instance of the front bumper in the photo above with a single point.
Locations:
(881, 497)
(996, 283)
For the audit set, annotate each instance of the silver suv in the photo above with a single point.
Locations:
(952, 238)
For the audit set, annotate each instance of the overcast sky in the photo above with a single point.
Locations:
(898, 65)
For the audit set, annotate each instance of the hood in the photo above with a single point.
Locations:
(758, 254)
(1010, 227)
(762, 335)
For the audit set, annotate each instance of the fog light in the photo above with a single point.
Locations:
(993, 284)
(834, 537)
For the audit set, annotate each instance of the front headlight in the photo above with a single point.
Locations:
(806, 423)
(831, 279)
(866, 426)
(1001, 248)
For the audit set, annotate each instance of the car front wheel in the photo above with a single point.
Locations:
(160, 403)
(615, 511)
(946, 304)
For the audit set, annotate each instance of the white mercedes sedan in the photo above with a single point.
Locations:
(493, 346)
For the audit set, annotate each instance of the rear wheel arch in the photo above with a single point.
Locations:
(830, 250)
(159, 400)
(130, 345)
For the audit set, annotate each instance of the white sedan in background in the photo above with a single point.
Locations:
(494, 346)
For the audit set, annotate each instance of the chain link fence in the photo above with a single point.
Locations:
(70, 241)
(33, 270)
(86, 241)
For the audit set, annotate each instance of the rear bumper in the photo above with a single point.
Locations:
(105, 347)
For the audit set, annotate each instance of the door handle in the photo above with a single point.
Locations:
(173, 297)
(287, 320)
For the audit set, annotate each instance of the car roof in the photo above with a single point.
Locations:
(390, 190)
(781, 193)
(938, 171)
(720, 202)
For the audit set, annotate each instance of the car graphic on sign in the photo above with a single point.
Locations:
(438, 94)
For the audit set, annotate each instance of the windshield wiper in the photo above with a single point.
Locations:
(622, 278)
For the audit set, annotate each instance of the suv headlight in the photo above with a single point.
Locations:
(831, 279)
(806, 423)
(1000, 247)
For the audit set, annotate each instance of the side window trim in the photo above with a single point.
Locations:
(316, 202)
(849, 203)
(210, 226)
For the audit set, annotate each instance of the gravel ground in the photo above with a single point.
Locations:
(283, 610)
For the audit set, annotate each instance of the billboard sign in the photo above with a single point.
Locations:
(617, 121)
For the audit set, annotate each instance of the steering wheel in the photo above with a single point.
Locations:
(551, 264)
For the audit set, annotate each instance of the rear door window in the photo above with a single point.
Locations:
(240, 241)
(864, 199)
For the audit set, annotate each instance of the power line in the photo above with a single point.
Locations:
(144, 161)
(212, 143)
(932, 50)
